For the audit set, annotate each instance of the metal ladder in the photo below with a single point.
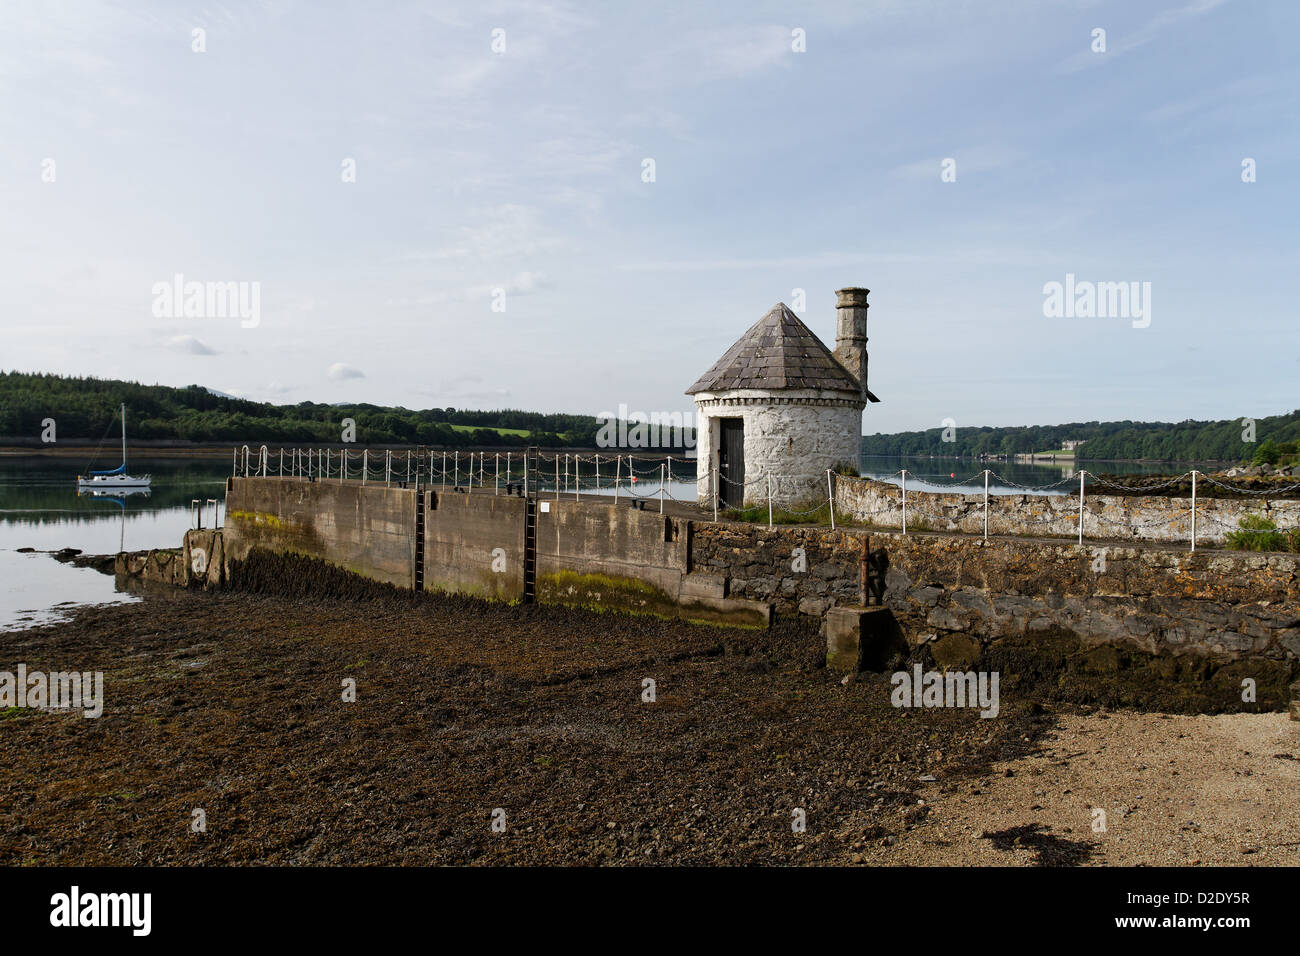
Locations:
(531, 476)
(419, 539)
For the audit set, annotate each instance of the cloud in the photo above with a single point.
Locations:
(189, 345)
(341, 371)
(719, 53)
(1119, 43)
(501, 232)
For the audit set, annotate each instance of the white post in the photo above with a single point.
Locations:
(904, 501)
(471, 471)
(986, 504)
(577, 477)
(618, 467)
(598, 474)
(481, 467)
(455, 475)
(566, 472)
(1081, 474)
(388, 466)
(830, 493)
(281, 460)
(661, 489)
(507, 468)
(444, 469)
(496, 472)
(557, 477)
(1193, 509)
(234, 461)
(714, 484)
(365, 465)
(408, 466)
(769, 500)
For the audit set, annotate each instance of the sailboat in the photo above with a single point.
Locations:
(117, 478)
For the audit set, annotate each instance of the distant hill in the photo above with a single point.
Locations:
(85, 408)
(1158, 441)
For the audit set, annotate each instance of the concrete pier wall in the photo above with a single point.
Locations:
(957, 594)
(368, 529)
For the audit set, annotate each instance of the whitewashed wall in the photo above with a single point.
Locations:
(794, 436)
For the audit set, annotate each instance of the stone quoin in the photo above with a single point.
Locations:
(780, 406)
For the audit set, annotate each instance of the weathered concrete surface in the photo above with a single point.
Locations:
(474, 544)
(159, 566)
(368, 529)
(203, 559)
(1110, 517)
(863, 638)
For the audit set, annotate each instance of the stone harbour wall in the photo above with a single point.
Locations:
(1105, 517)
(1160, 601)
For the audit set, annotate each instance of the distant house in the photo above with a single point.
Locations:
(1073, 444)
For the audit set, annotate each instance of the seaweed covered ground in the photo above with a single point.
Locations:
(233, 704)
(537, 719)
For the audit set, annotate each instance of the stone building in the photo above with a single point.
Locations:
(780, 406)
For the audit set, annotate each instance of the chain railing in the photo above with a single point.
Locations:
(1191, 514)
(639, 478)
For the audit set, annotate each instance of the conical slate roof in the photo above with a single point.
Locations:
(779, 351)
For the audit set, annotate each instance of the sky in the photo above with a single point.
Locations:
(450, 204)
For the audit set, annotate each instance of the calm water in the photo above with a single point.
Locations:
(40, 508)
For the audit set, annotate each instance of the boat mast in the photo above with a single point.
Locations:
(124, 437)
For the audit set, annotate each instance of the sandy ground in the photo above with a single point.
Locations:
(1175, 791)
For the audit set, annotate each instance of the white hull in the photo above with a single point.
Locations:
(113, 482)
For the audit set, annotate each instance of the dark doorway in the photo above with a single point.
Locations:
(731, 462)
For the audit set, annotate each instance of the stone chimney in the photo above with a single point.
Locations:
(851, 335)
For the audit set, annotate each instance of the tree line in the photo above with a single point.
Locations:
(86, 408)
(1228, 440)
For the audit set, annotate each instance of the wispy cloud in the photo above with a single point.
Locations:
(1119, 43)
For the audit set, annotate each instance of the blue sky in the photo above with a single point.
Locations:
(775, 170)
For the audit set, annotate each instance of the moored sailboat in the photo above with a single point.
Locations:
(116, 478)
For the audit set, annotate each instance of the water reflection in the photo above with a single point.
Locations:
(40, 509)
